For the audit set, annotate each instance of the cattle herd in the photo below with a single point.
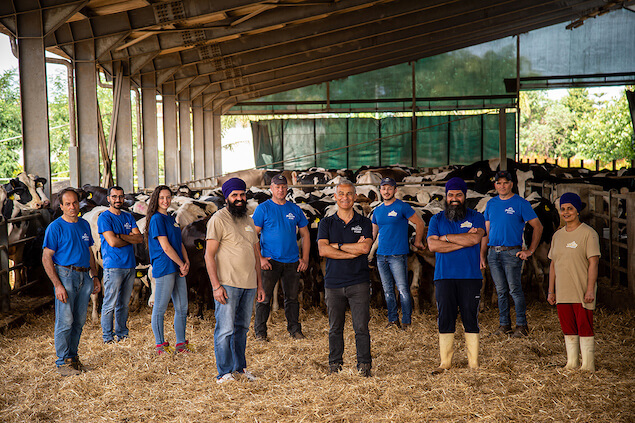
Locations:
(312, 190)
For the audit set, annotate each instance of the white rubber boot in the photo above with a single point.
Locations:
(587, 347)
(471, 344)
(446, 350)
(572, 342)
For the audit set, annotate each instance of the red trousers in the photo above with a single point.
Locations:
(575, 319)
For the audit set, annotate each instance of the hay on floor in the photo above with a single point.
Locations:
(519, 379)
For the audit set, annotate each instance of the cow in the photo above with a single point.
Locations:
(252, 177)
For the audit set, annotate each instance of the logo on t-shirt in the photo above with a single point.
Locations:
(249, 229)
(127, 225)
(85, 237)
(176, 225)
(509, 210)
(357, 229)
(392, 213)
(290, 216)
(572, 244)
(466, 224)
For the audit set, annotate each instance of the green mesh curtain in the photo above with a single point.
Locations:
(331, 134)
(396, 143)
(361, 130)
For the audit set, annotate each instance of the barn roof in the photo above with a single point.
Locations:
(230, 51)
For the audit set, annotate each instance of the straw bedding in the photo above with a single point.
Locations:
(519, 380)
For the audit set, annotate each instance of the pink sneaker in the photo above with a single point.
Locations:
(164, 348)
(183, 347)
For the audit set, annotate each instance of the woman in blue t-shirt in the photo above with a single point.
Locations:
(170, 264)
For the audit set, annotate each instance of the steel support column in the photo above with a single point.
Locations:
(218, 150)
(170, 148)
(185, 139)
(34, 101)
(123, 139)
(86, 170)
(199, 141)
(150, 134)
(502, 139)
(208, 135)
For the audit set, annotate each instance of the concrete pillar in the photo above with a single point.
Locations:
(34, 101)
(150, 158)
(123, 139)
(208, 135)
(185, 139)
(502, 139)
(87, 165)
(218, 146)
(198, 141)
(170, 135)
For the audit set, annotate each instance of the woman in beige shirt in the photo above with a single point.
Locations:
(575, 255)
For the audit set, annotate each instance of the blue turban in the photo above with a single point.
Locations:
(573, 199)
(233, 184)
(456, 183)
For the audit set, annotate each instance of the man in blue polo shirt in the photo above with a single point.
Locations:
(276, 221)
(345, 239)
(505, 218)
(455, 235)
(117, 231)
(67, 259)
(390, 223)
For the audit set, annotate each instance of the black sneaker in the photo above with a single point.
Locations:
(335, 368)
(520, 331)
(394, 325)
(503, 330)
(364, 369)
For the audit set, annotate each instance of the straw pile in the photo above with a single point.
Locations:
(519, 380)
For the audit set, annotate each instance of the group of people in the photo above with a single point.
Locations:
(245, 257)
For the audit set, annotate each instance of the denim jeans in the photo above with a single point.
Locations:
(232, 325)
(171, 285)
(506, 269)
(393, 270)
(358, 297)
(117, 289)
(71, 315)
(289, 278)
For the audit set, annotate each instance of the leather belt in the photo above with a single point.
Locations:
(499, 248)
(79, 269)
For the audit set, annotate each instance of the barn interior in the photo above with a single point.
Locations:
(343, 84)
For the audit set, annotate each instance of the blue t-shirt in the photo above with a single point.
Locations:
(507, 220)
(341, 273)
(460, 264)
(278, 235)
(70, 241)
(163, 225)
(392, 221)
(116, 257)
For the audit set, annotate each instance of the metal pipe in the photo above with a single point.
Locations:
(71, 96)
(102, 84)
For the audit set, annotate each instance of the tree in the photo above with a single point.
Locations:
(10, 125)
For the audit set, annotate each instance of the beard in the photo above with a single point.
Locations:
(238, 209)
(455, 212)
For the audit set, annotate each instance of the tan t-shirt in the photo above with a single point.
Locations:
(570, 252)
(235, 259)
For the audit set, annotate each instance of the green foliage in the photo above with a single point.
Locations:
(578, 125)
(10, 125)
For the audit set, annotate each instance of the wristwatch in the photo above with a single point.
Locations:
(339, 246)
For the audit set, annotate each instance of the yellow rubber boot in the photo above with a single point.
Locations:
(572, 342)
(446, 349)
(471, 344)
(587, 348)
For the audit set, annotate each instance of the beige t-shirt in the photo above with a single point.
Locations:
(570, 252)
(235, 259)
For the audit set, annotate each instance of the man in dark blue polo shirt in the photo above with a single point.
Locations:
(345, 240)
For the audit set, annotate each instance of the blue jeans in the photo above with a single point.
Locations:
(71, 315)
(174, 286)
(117, 289)
(358, 298)
(232, 325)
(393, 270)
(506, 269)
